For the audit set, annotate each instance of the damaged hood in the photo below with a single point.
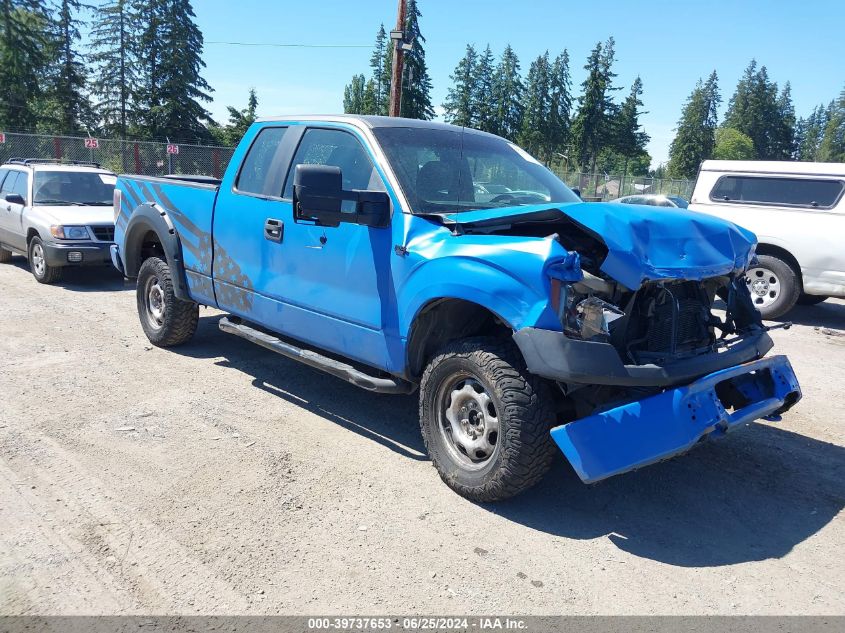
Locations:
(643, 243)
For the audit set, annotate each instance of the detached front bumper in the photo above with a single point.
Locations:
(77, 254)
(640, 433)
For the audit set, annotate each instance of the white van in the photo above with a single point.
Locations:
(797, 211)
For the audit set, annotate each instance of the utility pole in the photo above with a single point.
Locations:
(397, 36)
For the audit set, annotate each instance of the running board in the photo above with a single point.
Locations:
(348, 373)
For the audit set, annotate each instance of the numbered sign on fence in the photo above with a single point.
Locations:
(2, 137)
(92, 143)
(172, 149)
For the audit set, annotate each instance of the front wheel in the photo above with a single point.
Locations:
(773, 285)
(43, 272)
(485, 420)
(166, 319)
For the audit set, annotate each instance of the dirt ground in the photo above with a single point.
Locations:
(219, 478)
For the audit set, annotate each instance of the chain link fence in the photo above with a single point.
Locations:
(149, 158)
(595, 187)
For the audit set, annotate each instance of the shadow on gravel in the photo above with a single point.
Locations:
(93, 279)
(830, 314)
(751, 496)
(389, 420)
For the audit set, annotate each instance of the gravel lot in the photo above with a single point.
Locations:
(221, 478)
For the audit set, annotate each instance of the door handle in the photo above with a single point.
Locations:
(274, 230)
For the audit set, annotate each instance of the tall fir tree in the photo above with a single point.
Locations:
(507, 95)
(785, 147)
(181, 88)
(483, 94)
(114, 46)
(68, 90)
(832, 146)
(629, 139)
(810, 132)
(460, 107)
(150, 16)
(416, 83)
(239, 122)
(380, 65)
(592, 128)
(560, 105)
(353, 95)
(695, 138)
(24, 57)
(536, 106)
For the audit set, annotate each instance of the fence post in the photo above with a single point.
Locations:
(57, 148)
(137, 152)
(215, 160)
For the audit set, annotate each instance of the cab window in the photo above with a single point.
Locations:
(263, 168)
(337, 149)
(787, 192)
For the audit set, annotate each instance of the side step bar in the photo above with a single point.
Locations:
(233, 325)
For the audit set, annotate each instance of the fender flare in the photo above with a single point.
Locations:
(149, 218)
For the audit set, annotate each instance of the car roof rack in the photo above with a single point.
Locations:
(52, 161)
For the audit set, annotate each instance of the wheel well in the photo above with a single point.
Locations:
(150, 247)
(444, 320)
(784, 255)
(30, 234)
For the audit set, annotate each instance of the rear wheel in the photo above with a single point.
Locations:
(485, 420)
(166, 319)
(5, 256)
(773, 285)
(41, 270)
(811, 300)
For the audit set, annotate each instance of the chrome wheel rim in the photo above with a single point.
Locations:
(154, 303)
(38, 264)
(764, 286)
(468, 422)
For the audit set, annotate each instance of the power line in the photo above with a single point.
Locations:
(290, 45)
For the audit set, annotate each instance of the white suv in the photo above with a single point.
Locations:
(58, 214)
(797, 211)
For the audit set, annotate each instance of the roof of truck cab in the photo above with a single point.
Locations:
(371, 121)
(774, 167)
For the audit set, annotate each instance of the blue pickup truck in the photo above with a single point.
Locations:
(401, 255)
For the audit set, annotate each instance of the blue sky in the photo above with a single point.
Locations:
(670, 44)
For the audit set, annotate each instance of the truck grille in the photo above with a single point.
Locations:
(103, 233)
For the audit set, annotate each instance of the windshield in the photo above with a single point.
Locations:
(73, 188)
(446, 171)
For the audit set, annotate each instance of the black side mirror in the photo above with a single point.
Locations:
(318, 195)
(15, 198)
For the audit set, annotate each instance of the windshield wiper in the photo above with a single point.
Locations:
(96, 203)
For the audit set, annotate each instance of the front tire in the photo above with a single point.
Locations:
(773, 285)
(485, 420)
(41, 270)
(166, 319)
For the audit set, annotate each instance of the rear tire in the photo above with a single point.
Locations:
(38, 266)
(774, 286)
(5, 256)
(166, 319)
(805, 300)
(485, 420)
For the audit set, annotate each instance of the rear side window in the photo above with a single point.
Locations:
(263, 170)
(9, 182)
(3, 173)
(815, 193)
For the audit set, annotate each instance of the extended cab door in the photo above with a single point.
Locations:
(322, 285)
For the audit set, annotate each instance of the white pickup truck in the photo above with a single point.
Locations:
(797, 211)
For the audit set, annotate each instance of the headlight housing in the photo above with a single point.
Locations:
(68, 232)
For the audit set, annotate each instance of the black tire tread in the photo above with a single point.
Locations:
(52, 274)
(181, 317)
(530, 451)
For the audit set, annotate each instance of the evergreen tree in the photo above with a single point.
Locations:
(630, 141)
(832, 146)
(380, 64)
(537, 104)
(560, 105)
(810, 132)
(484, 101)
(239, 122)
(113, 41)
(68, 91)
(507, 93)
(460, 105)
(24, 55)
(150, 16)
(353, 96)
(416, 84)
(758, 111)
(178, 114)
(695, 139)
(592, 128)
